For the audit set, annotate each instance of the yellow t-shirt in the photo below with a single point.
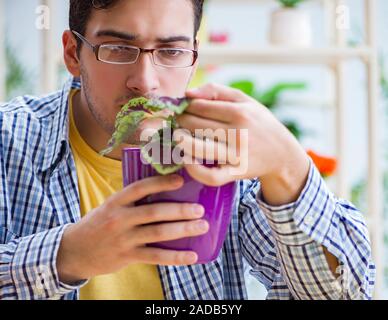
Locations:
(98, 178)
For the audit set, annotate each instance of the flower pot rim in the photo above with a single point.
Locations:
(131, 148)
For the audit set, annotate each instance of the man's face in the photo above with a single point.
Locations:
(145, 24)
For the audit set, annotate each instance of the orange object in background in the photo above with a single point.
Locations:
(325, 165)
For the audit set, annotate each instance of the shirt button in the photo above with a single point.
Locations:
(39, 291)
(308, 220)
(337, 286)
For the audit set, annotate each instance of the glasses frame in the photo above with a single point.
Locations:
(96, 49)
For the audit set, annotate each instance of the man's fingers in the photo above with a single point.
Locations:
(145, 187)
(150, 255)
(161, 212)
(214, 176)
(168, 231)
(213, 91)
(220, 111)
(208, 149)
(192, 122)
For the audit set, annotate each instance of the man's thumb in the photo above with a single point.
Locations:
(216, 92)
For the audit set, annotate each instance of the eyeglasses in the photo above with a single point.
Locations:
(126, 54)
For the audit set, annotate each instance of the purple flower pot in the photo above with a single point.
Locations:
(217, 201)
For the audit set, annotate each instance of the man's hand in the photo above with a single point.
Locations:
(115, 234)
(268, 151)
(265, 149)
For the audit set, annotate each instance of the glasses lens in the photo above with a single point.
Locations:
(179, 58)
(118, 54)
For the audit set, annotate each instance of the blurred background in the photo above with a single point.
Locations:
(320, 65)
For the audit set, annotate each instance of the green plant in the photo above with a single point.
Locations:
(17, 77)
(290, 3)
(138, 110)
(271, 97)
(384, 77)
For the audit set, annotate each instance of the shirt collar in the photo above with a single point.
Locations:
(58, 140)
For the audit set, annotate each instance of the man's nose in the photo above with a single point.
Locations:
(144, 77)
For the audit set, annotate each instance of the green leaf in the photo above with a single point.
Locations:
(246, 86)
(127, 122)
(290, 3)
(271, 97)
(294, 129)
(161, 143)
(124, 128)
(162, 169)
(178, 106)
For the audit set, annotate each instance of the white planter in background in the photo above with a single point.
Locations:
(290, 27)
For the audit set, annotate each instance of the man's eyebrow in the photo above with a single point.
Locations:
(132, 37)
(117, 34)
(174, 39)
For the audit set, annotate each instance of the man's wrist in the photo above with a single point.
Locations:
(67, 265)
(285, 185)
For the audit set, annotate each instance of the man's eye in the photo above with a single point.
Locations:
(172, 52)
(117, 49)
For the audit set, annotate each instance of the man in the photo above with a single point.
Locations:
(67, 226)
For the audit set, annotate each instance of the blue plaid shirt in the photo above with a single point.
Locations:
(281, 246)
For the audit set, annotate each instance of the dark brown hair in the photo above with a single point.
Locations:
(80, 11)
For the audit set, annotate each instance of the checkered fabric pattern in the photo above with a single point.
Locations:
(281, 246)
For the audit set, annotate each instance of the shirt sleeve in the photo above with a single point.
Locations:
(319, 219)
(258, 246)
(27, 264)
(28, 267)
